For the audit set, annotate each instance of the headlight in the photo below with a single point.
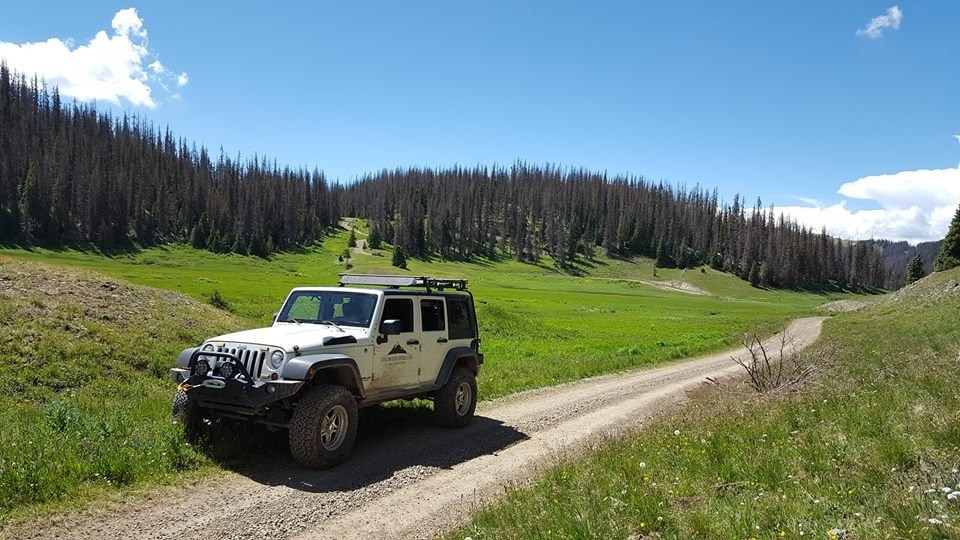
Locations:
(276, 359)
(208, 347)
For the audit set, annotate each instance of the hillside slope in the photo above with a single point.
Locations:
(869, 449)
(84, 389)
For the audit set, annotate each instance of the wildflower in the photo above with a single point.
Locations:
(643, 464)
(934, 521)
(676, 432)
(946, 489)
(953, 496)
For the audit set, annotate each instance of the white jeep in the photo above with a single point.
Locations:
(332, 350)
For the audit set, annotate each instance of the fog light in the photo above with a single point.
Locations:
(227, 371)
(201, 367)
(271, 389)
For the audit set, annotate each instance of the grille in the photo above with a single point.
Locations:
(252, 359)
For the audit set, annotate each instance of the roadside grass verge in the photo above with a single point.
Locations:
(86, 406)
(870, 449)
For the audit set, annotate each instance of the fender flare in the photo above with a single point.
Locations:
(183, 361)
(304, 368)
(453, 356)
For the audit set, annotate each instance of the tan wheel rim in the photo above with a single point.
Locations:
(333, 428)
(464, 398)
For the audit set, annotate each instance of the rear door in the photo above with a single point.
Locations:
(433, 337)
(396, 362)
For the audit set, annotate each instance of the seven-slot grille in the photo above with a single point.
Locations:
(252, 359)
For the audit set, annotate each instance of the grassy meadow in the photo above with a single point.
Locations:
(88, 341)
(869, 449)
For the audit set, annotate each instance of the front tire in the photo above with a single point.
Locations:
(323, 427)
(187, 413)
(456, 402)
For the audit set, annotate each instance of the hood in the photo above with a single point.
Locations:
(286, 335)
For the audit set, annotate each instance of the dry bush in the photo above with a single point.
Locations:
(778, 364)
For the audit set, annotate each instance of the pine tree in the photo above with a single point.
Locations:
(915, 269)
(257, 247)
(374, 240)
(352, 241)
(766, 279)
(950, 250)
(663, 259)
(754, 276)
(213, 241)
(198, 236)
(238, 247)
(29, 204)
(399, 257)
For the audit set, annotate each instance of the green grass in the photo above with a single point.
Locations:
(86, 395)
(865, 448)
(539, 326)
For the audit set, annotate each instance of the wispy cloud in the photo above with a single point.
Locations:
(109, 67)
(878, 24)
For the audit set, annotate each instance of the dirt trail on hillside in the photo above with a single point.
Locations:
(410, 479)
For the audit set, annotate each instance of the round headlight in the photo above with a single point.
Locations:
(201, 367)
(276, 359)
(208, 347)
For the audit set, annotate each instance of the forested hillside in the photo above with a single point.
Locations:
(896, 256)
(69, 174)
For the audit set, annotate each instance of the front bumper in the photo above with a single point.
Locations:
(233, 395)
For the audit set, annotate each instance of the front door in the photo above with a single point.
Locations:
(397, 360)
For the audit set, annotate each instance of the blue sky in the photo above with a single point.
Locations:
(785, 102)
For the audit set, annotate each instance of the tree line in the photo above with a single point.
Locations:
(72, 175)
(570, 215)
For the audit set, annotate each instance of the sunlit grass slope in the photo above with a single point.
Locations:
(870, 449)
(539, 326)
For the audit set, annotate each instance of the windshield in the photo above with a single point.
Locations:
(319, 307)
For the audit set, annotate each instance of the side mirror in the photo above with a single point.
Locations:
(390, 327)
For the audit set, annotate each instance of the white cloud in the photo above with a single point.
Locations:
(108, 67)
(877, 25)
(915, 206)
(182, 79)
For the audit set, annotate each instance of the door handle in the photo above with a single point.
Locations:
(413, 342)
(441, 340)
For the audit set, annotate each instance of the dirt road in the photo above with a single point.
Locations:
(408, 478)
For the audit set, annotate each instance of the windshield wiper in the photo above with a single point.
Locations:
(331, 323)
(292, 320)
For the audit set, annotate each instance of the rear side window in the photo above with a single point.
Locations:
(432, 316)
(461, 323)
(400, 309)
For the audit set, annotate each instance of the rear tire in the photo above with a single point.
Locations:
(187, 412)
(456, 402)
(323, 426)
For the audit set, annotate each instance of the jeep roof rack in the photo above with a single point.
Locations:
(394, 281)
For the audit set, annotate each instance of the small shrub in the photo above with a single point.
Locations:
(218, 301)
(784, 367)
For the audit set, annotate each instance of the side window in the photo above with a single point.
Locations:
(400, 309)
(461, 327)
(432, 316)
